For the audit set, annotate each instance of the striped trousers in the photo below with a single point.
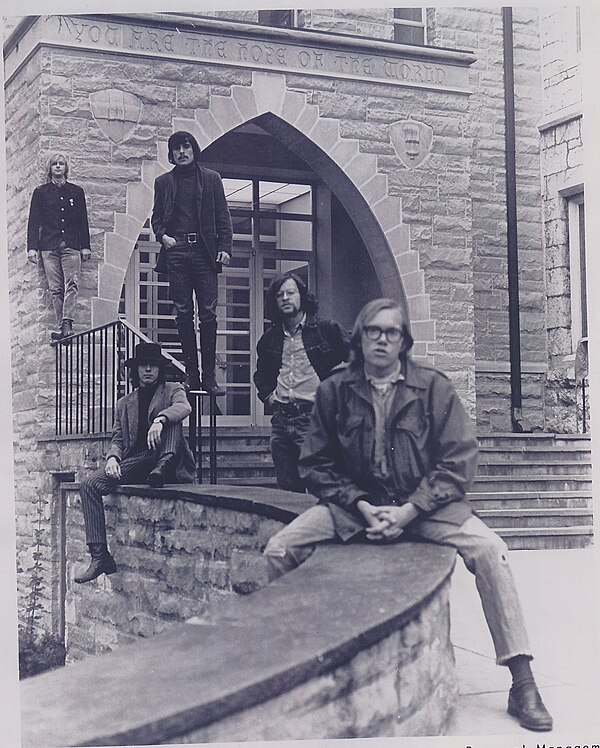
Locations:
(134, 469)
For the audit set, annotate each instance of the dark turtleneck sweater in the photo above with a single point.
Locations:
(145, 395)
(185, 218)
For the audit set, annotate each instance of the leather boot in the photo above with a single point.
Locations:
(208, 347)
(163, 471)
(102, 563)
(187, 337)
(525, 703)
(66, 330)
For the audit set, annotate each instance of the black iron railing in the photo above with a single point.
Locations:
(90, 376)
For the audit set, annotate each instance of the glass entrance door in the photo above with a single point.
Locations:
(274, 228)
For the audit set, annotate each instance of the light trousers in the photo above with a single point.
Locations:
(484, 554)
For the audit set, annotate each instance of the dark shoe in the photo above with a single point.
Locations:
(193, 383)
(66, 330)
(211, 386)
(102, 563)
(55, 336)
(525, 703)
(163, 471)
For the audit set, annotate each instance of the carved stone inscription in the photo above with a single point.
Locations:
(254, 53)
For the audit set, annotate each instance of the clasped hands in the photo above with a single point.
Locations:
(388, 521)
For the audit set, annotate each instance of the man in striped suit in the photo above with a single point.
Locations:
(147, 446)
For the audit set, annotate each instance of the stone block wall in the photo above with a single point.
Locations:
(322, 652)
(177, 560)
(403, 685)
(480, 30)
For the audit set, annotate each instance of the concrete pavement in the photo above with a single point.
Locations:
(559, 595)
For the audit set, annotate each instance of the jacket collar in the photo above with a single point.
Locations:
(413, 380)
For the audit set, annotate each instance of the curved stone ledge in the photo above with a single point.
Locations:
(355, 642)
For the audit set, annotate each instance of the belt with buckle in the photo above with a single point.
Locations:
(191, 238)
(294, 409)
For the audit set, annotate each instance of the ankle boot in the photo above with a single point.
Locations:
(66, 330)
(163, 471)
(102, 563)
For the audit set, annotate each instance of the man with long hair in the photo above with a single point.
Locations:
(294, 356)
(191, 220)
(58, 236)
(147, 446)
(390, 450)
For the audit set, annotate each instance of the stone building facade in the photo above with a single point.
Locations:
(397, 158)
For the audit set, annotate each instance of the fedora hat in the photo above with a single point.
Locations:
(147, 352)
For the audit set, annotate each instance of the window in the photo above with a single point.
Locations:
(409, 26)
(579, 316)
(282, 19)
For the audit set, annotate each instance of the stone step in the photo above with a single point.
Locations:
(502, 441)
(538, 538)
(527, 468)
(510, 483)
(579, 453)
(534, 518)
(531, 500)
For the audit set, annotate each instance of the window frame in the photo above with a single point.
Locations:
(403, 23)
(577, 268)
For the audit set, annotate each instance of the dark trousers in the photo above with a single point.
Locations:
(287, 436)
(134, 469)
(191, 272)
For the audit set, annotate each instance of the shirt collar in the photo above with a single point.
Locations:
(395, 376)
(295, 330)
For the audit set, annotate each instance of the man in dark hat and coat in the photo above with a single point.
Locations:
(147, 446)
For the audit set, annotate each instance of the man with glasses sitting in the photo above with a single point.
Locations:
(391, 450)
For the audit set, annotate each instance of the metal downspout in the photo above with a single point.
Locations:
(514, 328)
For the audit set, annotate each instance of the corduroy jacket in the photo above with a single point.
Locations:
(170, 401)
(431, 447)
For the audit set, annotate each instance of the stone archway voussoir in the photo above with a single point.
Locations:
(225, 112)
(269, 91)
(243, 98)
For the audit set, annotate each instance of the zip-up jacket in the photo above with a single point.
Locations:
(430, 442)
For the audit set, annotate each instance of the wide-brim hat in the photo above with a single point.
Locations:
(147, 353)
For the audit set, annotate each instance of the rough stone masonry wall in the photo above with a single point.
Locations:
(562, 169)
(176, 559)
(480, 30)
(401, 686)
(30, 317)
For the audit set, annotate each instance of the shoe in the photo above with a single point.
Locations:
(193, 383)
(162, 472)
(55, 336)
(66, 330)
(211, 386)
(102, 563)
(525, 703)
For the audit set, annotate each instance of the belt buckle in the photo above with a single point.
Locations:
(192, 238)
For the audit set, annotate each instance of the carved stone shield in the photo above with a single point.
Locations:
(116, 112)
(412, 141)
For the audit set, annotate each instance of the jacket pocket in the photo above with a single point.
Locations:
(351, 438)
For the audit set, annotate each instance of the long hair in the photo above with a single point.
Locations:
(366, 314)
(180, 138)
(134, 376)
(50, 160)
(308, 302)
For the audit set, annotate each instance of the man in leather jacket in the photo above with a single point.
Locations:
(294, 356)
(390, 450)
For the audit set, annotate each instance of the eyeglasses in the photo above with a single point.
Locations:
(392, 334)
